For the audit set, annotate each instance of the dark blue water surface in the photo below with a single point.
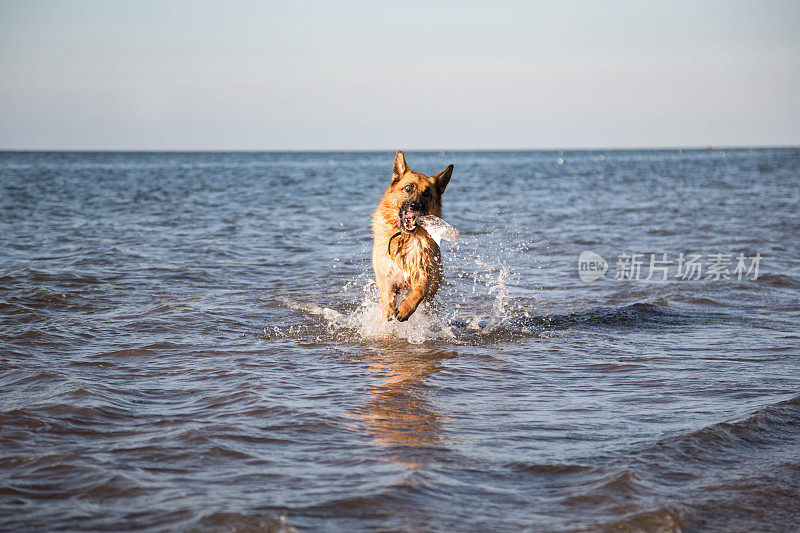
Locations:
(192, 341)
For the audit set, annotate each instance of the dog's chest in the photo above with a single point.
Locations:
(417, 258)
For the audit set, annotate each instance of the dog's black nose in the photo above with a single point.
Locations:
(415, 206)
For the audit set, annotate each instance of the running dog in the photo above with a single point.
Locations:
(405, 258)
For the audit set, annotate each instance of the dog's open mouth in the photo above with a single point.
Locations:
(408, 220)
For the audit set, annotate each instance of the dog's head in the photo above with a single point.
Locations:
(413, 194)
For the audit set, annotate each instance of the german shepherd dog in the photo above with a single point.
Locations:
(404, 256)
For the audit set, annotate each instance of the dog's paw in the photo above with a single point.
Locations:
(403, 312)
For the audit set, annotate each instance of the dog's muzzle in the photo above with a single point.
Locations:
(409, 213)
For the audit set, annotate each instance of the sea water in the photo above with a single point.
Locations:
(193, 341)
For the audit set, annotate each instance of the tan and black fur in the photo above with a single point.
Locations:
(404, 256)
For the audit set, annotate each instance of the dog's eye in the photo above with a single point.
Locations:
(409, 187)
(427, 193)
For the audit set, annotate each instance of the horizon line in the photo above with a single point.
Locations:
(431, 150)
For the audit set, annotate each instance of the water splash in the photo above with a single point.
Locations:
(458, 314)
(367, 322)
(474, 303)
(500, 291)
(438, 229)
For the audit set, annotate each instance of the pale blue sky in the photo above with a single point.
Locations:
(416, 75)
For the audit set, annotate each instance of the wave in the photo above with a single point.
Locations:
(778, 280)
(220, 521)
(637, 314)
(666, 519)
(775, 424)
(552, 468)
(733, 475)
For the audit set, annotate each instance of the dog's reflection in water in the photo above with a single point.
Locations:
(397, 412)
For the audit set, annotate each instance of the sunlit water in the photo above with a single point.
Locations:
(194, 342)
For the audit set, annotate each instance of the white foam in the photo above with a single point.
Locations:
(367, 321)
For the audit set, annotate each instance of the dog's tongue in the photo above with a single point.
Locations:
(437, 228)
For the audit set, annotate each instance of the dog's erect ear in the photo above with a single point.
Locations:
(400, 167)
(443, 178)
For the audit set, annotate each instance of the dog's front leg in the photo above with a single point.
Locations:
(410, 304)
(387, 300)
